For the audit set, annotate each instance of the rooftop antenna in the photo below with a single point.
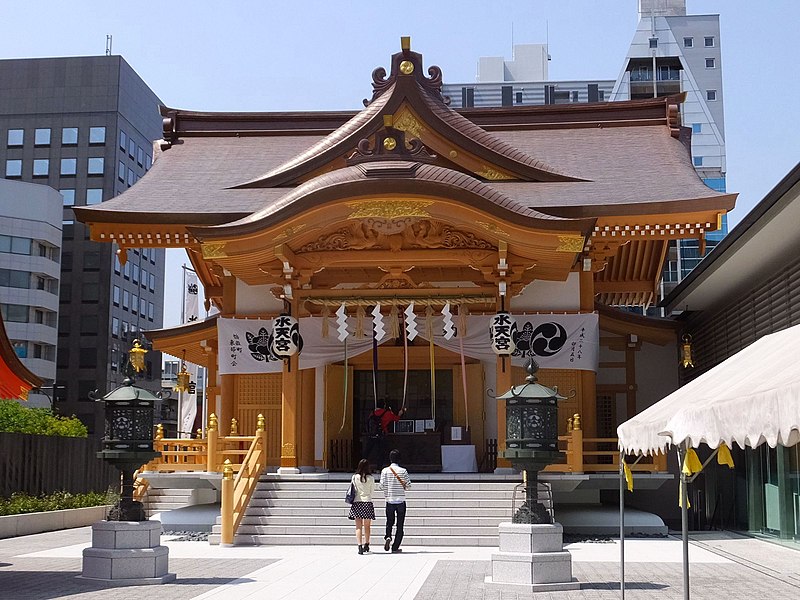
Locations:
(108, 45)
(512, 40)
(547, 39)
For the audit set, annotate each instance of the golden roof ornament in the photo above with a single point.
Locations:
(686, 352)
(183, 379)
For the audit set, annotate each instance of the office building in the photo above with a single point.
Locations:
(85, 126)
(30, 254)
(671, 53)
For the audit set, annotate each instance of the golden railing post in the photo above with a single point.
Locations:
(261, 430)
(234, 427)
(212, 463)
(226, 509)
(577, 444)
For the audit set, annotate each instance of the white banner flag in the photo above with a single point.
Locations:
(187, 408)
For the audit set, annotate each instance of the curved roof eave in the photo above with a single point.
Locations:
(365, 179)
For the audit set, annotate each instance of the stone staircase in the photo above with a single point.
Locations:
(159, 500)
(445, 512)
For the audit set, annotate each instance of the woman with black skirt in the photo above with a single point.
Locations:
(362, 510)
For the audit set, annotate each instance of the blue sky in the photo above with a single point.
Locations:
(318, 55)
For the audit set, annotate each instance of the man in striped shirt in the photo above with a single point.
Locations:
(394, 482)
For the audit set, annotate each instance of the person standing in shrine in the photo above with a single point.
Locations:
(394, 483)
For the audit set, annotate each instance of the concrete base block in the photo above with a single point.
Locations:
(127, 553)
(288, 471)
(533, 587)
(545, 567)
(531, 538)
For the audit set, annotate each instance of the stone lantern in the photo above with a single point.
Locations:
(126, 549)
(532, 555)
(532, 438)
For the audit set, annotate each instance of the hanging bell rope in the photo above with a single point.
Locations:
(361, 314)
(394, 321)
(344, 402)
(326, 325)
(405, 360)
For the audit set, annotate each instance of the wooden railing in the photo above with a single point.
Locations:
(597, 455)
(237, 491)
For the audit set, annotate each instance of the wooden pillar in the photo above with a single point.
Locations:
(290, 413)
(588, 379)
(308, 382)
(502, 385)
(228, 404)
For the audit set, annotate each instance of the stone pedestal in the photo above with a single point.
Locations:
(127, 553)
(532, 557)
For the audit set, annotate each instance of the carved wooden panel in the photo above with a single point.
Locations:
(261, 394)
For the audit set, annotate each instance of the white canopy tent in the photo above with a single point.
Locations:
(751, 398)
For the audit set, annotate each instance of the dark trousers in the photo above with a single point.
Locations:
(375, 451)
(391, 511)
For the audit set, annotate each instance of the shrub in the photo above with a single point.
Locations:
(21, 503)
(16, 418)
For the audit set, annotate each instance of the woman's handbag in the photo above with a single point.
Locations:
(351, 494)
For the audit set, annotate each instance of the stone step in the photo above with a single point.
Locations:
(454, 503)
(343, 511)
(303, 529)
(158, 492)
(341, 520)
(414, 493)
(349, 540)
(439, 486)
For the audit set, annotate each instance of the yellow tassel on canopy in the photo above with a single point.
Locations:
(691, 463)
(680, 497)
(628, 475)
(724, 456)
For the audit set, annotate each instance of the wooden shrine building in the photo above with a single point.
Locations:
(559, 214)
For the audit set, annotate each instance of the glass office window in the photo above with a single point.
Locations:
(144, 278)
(140, 156)
(151, 283)
(135, 273)
(697, 127)
(148, 162)
(150, 311)
(116, 295)
(123, 140)
(68, 196)
(131, 148)
(41, 137)
(126, 299)
(94, 196)
(97, 135)
(41, 167)
(95, 166)
(115, 326)
(130, 177)
(69, 166)
(16, 137)
(142, 306)
(14, 168)
(121, 171)
(69, 136)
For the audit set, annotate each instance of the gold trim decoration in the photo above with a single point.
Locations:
(453, 154)
(408, 123)
(491, 227)
(406, 67)
(389, 209)
(290, 231)
(214, 250)
(287, 450)
(492, 174)
(570, 243)
(390, 143)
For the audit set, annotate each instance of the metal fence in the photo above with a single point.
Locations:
(43, 464)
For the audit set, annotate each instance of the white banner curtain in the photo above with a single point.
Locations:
(563, 341)
(191, 309)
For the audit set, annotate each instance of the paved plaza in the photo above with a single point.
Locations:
(724, 565)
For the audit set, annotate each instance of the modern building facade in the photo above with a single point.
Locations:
(745, 289)
(85, 126)
(671, 53)
(30, 257)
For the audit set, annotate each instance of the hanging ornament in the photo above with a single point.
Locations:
(341, 322)
(360, 316)
(136, 356)
(686, 352)
(183, 379)
(411, 323)
(394, 321)
(448, 328)
(378, 328)
(286, 338)
(502, 331)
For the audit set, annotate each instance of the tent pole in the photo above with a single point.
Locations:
(684, 520)
(621, 526)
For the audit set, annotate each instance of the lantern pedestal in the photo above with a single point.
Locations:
(127, 553)
(532, 557)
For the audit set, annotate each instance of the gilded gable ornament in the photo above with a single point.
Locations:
(389, 209)
(570, 243)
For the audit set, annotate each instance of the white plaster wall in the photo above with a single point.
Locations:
(610, 376)
(549, 295)
(256, 299)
